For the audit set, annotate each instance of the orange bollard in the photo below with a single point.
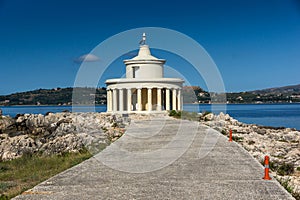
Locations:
(230, 136)
(267, 167)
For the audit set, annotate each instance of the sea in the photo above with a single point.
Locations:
(275, 115)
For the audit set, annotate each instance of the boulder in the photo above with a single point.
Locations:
(57, 133)
(208, 117)
(6, 123)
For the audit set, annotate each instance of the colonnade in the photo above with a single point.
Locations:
(143, 99)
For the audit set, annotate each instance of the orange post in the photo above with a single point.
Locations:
(267, 167)
(230, 136)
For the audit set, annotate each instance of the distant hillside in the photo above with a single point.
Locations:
(288, 94)
(191, 94)
(292, 89)
(57, 96)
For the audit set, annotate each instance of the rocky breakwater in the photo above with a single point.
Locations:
(58, 133)
(281, 144)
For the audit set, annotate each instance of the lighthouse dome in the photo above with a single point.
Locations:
(144, 65)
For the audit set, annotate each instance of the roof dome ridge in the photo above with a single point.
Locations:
(144, 54)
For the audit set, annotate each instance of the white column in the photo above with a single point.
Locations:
(167, 99)
(158, 99)
(174, 102)
(139, 99)
(129, 99)
(179, 100)
(115, 105)
(121, 100)
(149, 99)
(109, 101)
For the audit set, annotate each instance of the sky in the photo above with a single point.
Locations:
(255, 44)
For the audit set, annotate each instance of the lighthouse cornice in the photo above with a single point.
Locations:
(145, 61)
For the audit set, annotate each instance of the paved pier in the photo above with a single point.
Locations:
(164, 158)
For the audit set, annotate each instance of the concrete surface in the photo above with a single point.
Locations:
(160, 159)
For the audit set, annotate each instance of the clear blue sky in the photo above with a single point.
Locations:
(255, 43)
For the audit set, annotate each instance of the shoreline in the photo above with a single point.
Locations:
(282, 103)
(51, 105)
(256, 112)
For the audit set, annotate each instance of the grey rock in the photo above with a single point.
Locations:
(260, 131)
(57, 133)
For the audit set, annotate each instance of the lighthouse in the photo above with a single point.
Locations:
(144, 89)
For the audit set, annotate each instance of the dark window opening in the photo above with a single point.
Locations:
(134, 69)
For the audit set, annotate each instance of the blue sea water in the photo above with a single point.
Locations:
(277, 115)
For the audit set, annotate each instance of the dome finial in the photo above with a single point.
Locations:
(143, 41)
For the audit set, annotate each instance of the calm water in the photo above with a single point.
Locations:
(277, 115)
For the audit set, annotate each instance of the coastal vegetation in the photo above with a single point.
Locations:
(191, 94)
(56, 96)
(195, 94)
(284, 171)
(285, 182)
(21, 174)
(193, 116)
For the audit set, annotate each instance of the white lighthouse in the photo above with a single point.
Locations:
(144, 90)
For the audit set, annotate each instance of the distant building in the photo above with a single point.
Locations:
(144, 90)
(239, 98)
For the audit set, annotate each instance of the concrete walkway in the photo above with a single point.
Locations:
(164, 159)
